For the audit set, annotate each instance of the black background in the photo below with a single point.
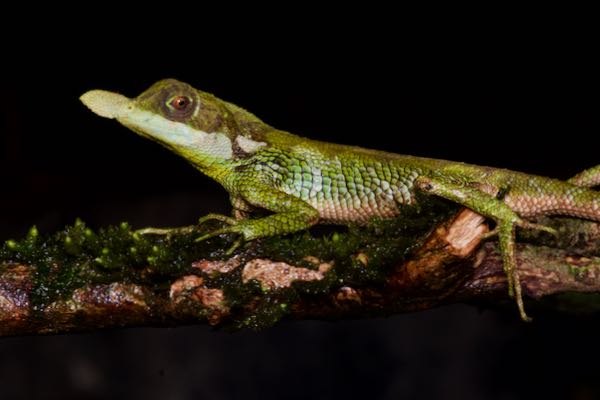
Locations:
(523, 99)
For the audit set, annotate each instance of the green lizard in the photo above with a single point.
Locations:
(304, 182)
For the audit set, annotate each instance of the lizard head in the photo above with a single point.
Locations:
(194, 124)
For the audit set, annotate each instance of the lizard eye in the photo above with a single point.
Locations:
(180, 103)
(179, 107)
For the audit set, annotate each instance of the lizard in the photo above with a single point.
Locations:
(303, 182)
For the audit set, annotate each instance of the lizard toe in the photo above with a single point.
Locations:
(217, 217)
(537, 227)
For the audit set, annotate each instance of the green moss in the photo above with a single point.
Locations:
(384, 243)
(77, 256)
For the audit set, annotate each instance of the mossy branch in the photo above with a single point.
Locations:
(79, 280)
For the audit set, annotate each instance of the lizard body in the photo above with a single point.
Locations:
(304, 182)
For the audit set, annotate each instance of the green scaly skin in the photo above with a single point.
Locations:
(304, 182)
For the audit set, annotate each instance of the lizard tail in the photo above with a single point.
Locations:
(554, 197)
(588, 178)
(581, 203)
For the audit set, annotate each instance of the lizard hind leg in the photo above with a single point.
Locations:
(288, 214)
(506, 221)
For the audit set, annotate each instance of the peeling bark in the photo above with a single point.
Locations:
(451, 266)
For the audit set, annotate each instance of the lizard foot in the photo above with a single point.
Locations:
(525, 225)
(505, 230)
(235, 226)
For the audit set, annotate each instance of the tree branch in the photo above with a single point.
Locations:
(248, 289)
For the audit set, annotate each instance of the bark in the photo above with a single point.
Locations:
(451, 266)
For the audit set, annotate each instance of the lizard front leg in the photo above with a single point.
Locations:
(489, 206)
(290, 214)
